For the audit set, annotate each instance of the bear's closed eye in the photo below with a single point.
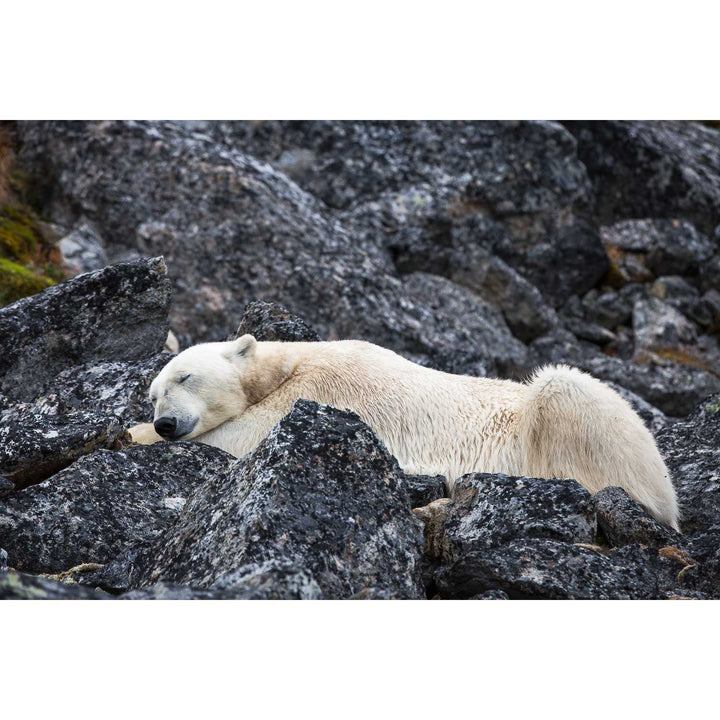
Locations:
(183, 378)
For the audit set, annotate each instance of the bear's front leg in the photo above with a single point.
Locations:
(144, 434)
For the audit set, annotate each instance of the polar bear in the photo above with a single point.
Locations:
(562, 423)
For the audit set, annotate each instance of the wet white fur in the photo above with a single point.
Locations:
(562, 423)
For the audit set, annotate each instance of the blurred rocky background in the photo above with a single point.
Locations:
(484, 248)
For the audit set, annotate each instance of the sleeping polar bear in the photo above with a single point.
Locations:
(563, 423)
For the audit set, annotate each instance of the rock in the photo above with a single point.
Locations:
(490, 510)
(670, 247)
(652, 169)
(83, 249)
(104, 503)
(119, 388)
(622, 521)
(320, 492)
(118, 313)
(427, 237)
(608, 308)
(270, 321)
(491, 595)
(18, 586)
(659, 328)
(423, 489)
(6, 487)
(547, 569)
(234, 230)
(34, 444)
(692, 453)
(473, 339)
(3, 561)
(703, 578)
(273, 580)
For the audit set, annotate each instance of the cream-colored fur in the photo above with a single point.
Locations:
(562, 423)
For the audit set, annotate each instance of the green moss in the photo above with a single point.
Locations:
(713, 406)
(17, 281)
(29, 262)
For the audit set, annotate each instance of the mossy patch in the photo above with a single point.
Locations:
(29, 258)
(713, 407)
(17, 281)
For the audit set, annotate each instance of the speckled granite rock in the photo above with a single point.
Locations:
(623, 522)
(114, 314)
(270, 321)
(104, 503)
(491, 510)
(320, 492)
(272, 580)
(19, 586)
(652, 169)
(35, 444)
(547, 569)
(692, 453)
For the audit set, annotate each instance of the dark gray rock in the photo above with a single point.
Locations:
(652, 169)
(3, 560)
(424, 489)
(320, 492)
(703, 578)
(270, 321)
(547, 569)
(490, 510)
(233, 230)
(491, 595)
(623, 522)
(103, 504)
(6, 487)
(35, 444)
(425, 232)
(659, 328)
(670, 247)
(119, 389)
(473, 340)
(692, 453)
(19, 586)
(114, 314)
(83, 249)
(273, 580)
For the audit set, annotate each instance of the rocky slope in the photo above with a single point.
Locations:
(482, 248)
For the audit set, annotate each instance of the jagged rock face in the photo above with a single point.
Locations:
(267, 321)
(692, 453)
(623, 522)
(489, 510)
(321, 492)
(114, 314)
(103, 504)
(546, 569)
(35, 444)
(652, 169)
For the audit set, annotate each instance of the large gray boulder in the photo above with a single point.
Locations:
(652, 169)
(103, 504)
(692, 453)
(118, 313)
(320, 492)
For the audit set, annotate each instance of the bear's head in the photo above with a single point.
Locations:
(201, 388)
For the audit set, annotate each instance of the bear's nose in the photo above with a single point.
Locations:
(165, 426)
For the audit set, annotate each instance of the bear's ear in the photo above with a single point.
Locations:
(241, 349)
